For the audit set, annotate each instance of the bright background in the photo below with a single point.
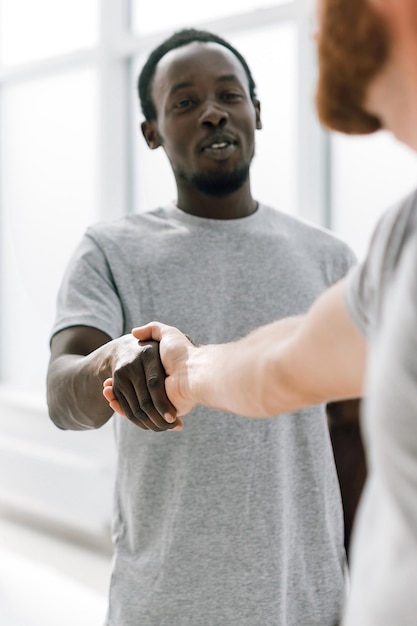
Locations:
(71, 153)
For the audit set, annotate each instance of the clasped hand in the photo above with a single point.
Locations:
(143, 400)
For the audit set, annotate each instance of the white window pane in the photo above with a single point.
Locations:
(32, 30)
(369, 174)
(49, 153)
(149, 17)
(273, 173)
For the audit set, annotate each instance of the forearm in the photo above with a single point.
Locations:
(249, 377)
(75, 398)
(284, 366)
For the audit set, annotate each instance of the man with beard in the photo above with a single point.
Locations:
(230, 521)
(360, 334)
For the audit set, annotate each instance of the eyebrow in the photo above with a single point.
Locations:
(184, 84)
(229, 78)
(179, 86)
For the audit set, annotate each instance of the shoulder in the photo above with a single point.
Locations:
(311, 236)
(389, 237)
(299, 225)
(129, 227)
(392, 231)
(367, 284)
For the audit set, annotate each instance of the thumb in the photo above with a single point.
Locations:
(153, 330)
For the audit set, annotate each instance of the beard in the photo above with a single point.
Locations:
(353, 47)
(218, 184)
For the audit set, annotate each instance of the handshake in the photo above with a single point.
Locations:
(151, 388)
(159, 375)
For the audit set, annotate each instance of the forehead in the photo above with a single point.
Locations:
(195, 63)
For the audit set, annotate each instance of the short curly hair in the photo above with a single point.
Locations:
(180, 38)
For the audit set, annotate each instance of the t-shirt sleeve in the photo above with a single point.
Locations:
(343, 261)
(393, 383)
(357, 296)
(88, 294)
(365, 283)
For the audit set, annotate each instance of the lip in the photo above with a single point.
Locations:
(216, 138)
(218, 146)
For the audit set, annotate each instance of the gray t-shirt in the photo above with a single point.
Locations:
(382, 297)
(233, 521)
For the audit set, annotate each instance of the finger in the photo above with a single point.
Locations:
(108, 394)
(137, 405)
(146, 412)
(138, 418)
(112, 400)
(155, 400)
(126, 402)
(153, 330)
(141, 419)
(115, 406)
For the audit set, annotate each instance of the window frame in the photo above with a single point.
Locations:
(24, 415)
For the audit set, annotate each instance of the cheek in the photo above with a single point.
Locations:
(247, 123)
(179, 152)
(317, 26)
(250, 132)
(174, 138)
(319, 12)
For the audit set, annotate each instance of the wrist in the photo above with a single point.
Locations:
(202, 367)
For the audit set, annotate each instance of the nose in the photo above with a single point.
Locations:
(213, 114)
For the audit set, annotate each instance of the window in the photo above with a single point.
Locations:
(50, 84)
(149, 18)
(35, 30)
(71, 153)
(49, 193)
(360, 193)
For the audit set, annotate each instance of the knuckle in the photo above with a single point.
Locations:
(119, 375)
(148, 353)
(153, 382)
(146, 405)
(117, 394)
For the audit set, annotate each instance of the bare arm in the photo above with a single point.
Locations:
(82, 358)
(278, 368)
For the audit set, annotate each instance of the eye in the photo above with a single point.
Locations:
(183, 103)
(231, 96)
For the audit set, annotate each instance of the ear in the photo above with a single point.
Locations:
(257, 106)
(150, 132)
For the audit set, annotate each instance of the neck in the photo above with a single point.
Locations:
(235, 205)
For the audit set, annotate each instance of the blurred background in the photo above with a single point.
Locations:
(71, 153)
